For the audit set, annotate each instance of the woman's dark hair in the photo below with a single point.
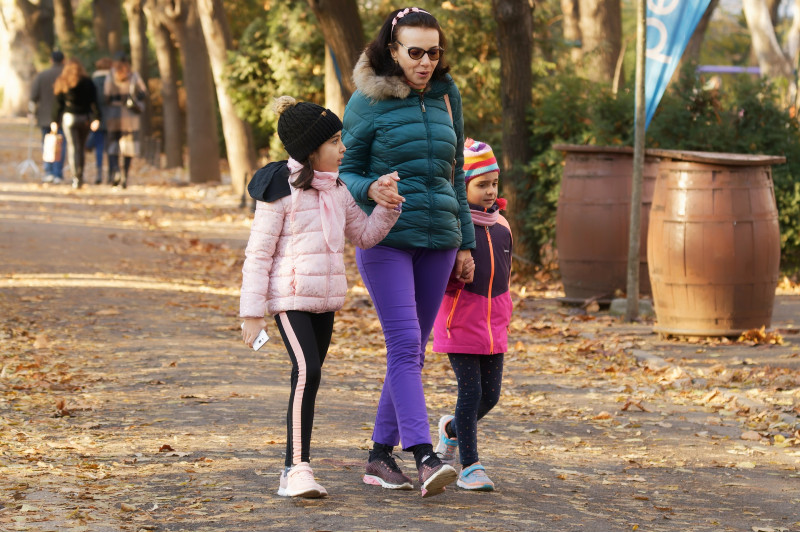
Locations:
(379, 50)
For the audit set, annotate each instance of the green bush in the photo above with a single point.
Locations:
(744, 118)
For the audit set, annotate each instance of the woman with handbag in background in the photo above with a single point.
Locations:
(77, 111)
(125, 95)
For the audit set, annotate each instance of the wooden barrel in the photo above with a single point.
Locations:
(593, 221)
(713, 243)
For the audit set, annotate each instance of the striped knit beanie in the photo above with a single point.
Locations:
(478, 159)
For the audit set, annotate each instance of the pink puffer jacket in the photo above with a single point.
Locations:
(288, 265)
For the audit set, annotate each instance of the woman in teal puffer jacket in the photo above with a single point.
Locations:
(403, 129)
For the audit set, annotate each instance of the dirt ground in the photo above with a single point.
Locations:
(128, 402)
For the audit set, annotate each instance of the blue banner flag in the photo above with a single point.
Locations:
(670, 25)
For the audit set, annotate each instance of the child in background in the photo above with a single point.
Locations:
(472, 323)
(294, 267)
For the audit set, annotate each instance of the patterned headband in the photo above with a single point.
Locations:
(402, 14)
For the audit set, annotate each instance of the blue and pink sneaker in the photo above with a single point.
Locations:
(446, 447)
(474, 477)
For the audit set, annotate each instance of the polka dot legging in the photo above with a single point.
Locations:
(479, 378)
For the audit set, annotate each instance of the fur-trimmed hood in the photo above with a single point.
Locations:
(377, 87)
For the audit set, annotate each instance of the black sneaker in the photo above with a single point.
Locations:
(434, 475)
(382, 470)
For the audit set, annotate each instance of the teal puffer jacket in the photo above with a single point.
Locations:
(388, 127)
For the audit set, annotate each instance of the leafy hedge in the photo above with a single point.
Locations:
(741, 118)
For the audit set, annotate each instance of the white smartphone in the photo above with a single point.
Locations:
(261, 340)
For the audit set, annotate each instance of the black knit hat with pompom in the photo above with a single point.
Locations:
(303, 126)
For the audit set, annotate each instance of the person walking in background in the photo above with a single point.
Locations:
(294, 266)
(472, 323)
(97, 139)
(42, 101)
(77, 111)
(123, 121)
(405, 120)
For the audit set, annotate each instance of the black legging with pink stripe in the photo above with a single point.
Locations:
(306, 337)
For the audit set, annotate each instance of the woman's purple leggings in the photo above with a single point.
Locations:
(407, 287)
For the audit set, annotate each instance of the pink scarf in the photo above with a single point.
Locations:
(330, 210)
(488, 217)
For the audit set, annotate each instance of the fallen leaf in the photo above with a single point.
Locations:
(637, 403)
(127, 507)
(750, 435)
(42, 341)
(166, 448)
(708, 397)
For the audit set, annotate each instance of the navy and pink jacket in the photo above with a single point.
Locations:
(474, 317)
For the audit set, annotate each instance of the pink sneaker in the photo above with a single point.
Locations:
(434, 475)
(299, 482)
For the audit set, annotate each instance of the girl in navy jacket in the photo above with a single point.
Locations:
(473, 320)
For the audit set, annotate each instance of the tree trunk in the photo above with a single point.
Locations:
(334, 95)
(201, 123)
(692, 52)
(572, 30)
(137, 36)
(239, 143)
(515, 44)
(65, 25)
(792, 53)
(770, 57)
(341, 26)
(41, 21)
(773, 6)
(107, 25)
(601, 32)
(17, 55)
(166, 56)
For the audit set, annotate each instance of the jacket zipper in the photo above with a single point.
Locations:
(452, 312)
(430, 160)
(491, 281)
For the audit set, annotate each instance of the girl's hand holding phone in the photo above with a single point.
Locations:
(251, 329)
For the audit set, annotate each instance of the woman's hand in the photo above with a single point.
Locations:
(464, 269)
(94, 125)
(251, 328)
(383, 191)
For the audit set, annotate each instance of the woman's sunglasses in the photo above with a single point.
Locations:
(416, 53)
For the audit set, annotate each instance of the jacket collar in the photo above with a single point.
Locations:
(377, 87)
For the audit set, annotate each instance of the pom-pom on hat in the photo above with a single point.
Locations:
(304, 126)
(478, 159)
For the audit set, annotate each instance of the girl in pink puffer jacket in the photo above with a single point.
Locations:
(294, 266)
